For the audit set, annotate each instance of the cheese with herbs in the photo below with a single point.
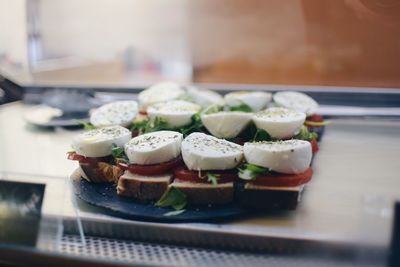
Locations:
(205, 152)
(290, 156)
(98, 142)
(154, 148)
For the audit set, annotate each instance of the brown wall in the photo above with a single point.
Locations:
(330, 42)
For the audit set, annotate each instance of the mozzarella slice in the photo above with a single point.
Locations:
(203, 97)
(176, 112)
(116, 113)
(205, 152)
(291, 156)
(255, 100)
(297, 101)
(279, 123)
(153, 148)
(226, 124)
(159, 92)
(98, 142)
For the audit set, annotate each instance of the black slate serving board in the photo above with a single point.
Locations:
(105, 196)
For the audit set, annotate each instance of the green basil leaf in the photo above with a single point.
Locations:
(305, 134)
(118, 154)
(251, 171)
(212, 178)
(261, 135)
(174, 198)
(242, 107)
(87, 126)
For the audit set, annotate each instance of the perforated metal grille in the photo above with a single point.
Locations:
(167, 255)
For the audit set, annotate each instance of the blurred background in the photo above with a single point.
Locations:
(125, 42)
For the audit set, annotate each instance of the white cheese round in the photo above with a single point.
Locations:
(159, 92)
(255, 100)
(116, 113)
(205, 152)
(98, 142)
(279, 123)
(203, 97)
(226, 124)
(153, 148)
(297, 101)
(176, 113)
(291, 156)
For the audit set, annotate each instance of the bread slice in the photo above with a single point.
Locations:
(142, 187)
(200, 194)
(100, 172)
(268, 197)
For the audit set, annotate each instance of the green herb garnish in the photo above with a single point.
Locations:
(87, 126)
(195, 126)
(261, 135)
(242, 107)
(148, 126)
(214, 108)
(174, 198)
(212, 178)
(174, 213)
(251, 171)
(305, 134)
(118, 154)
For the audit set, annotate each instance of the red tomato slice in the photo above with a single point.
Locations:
(183, 174)
(315, 117)
(314, 146)
(284, 180)
(83, 159)
(153, 169)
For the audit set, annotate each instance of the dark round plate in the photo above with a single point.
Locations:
(105, 196)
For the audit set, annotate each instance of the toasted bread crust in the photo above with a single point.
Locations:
(267, 197)
(144, 188)
(101, 172)
(206, 194)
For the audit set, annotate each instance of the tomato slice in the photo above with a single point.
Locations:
(153, 169)
(185, 175)
(284, 180)
(314, 145)
(91, 160)
(315, 117)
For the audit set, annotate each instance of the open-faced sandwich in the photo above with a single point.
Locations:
(192, 147)
(152, 158)
(94, 151)
(210, 169)
(275, 173)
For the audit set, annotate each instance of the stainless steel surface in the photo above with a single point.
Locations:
(133, 252)
(348, 202)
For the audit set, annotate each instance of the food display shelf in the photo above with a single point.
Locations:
(345, 215)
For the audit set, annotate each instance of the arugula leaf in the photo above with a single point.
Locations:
(214, 108)
(212, 178)
(118, 154)
(139, 125)
(174, 213)
(174, 198)
(242, 107)
(251, 171)
(195, 126)
(87, 126)
(157, 124)
(305, 134)
(261, 135)
(147, 126)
